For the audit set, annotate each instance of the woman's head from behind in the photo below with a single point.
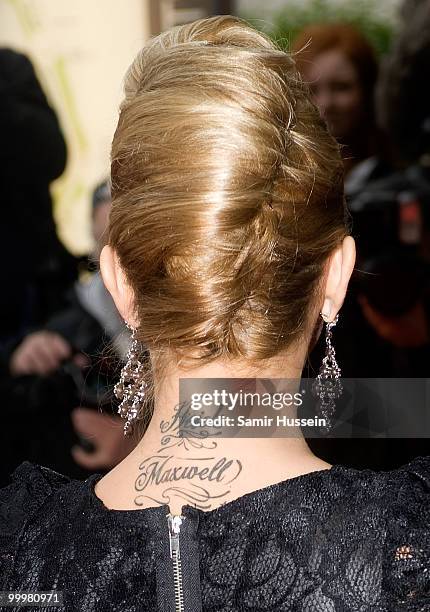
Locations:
(340, 65)
(228, 216)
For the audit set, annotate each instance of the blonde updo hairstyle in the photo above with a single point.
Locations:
(227, 197)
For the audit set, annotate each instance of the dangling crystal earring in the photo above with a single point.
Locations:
(327, 387)
(130, 388)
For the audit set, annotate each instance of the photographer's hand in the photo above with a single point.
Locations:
(39, 353)
(105, 432)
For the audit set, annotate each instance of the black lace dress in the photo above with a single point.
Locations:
(334, 540)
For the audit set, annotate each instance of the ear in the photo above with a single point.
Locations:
(116, 283)
(340, 269)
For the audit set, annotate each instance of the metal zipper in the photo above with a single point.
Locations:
(175, 522)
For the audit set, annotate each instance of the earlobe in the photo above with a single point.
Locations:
(327, 309)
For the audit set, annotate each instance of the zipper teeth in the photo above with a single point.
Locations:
(174, 523)
(177, 578)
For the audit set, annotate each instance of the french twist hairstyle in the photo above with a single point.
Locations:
(227, 195)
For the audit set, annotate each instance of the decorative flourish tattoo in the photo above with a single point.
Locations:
(177, 432)
(185, 476)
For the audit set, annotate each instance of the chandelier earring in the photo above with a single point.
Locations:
(130, 388)
(327, 387)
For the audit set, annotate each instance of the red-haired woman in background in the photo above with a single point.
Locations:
(341, 68)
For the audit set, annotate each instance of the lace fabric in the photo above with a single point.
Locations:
(334, 540)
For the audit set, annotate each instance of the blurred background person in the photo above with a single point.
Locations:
(391, 327)
(397, 206)
(102, 442)
(37, 267)
(341, 68)
(60, 378)
(385, 330)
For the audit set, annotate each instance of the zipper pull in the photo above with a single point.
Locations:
(174, 522)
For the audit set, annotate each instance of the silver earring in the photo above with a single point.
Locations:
(130, 388)
(327, 387)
